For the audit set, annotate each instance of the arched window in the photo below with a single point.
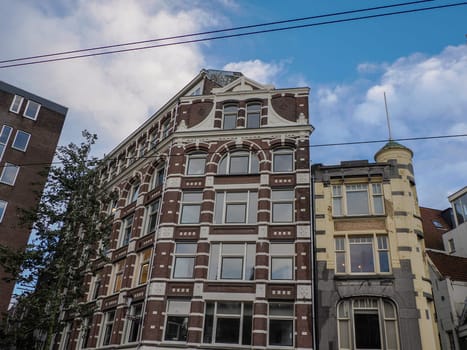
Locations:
(196, 163)
(157, 178)
(230, 117)
(134, 192)
(367, 323)
(240, 162)
(253, 115)
(283, 160)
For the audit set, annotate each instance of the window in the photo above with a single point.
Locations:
(16, 104)
(152, 213)
(118, 275)
(281, 327)
(357, 199)
(130, 156)
(228, 322)
(109, 319)
(21, 140)
(134, 322)
(460, 209)
(158, 177)
(141, 149)
(166, 128)
(282, 205)
(3, 205)
(452, 247)
(144, 258)
(282, 161)
(66, 337)
(191, 207)
(176, 325)
(367, 323)
(126, 232)
(241, 162)
(282, 261)
(360, 254)
(134, 192)
(253, 115)
(85, 333)
(4, 137)
(96, 285)
(9, 174)
(32, 110)
(184, 260)
(196, 164)
(236, 207)
(232, 261)
(230, 117)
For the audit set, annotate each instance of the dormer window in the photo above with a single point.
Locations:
(253, 115)
(230, 117)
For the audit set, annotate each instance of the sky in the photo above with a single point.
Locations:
(418, 59)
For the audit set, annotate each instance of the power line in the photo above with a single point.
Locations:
(215, 31)
(264, 149)
(351, 19)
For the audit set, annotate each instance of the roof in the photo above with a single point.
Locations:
(30, 96)
(393, 145)
(434, 226)
(453, 267)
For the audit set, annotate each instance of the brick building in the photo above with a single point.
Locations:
(30, 127)
(211, 239)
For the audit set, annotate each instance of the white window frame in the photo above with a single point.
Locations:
(97, 283)
(246, 311)
(194, 202)
(194, 157)
(459, 209)
(280, 152)
(33, 117)
(158, 176)
(272, 316)
(134, 192)
(282, 251)
(184, 254)
(221, 252)
(229, 114)
(118, 272)
(179, 309)
(387, 319)
(379, 249)
(4, 138)
(133, 317)
(14, 168)
(85, 333)
(126, 231)
(340, 198)
(13, 103)
(253, 113)
(144, 259)
(165, 128)
(3, 206)
(151, 217)
(107, 321)
(278, 201)
(225, 164)
(223, 202)
(16, 137)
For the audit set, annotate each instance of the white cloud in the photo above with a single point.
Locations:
(257, 70)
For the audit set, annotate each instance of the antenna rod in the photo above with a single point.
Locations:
(387, 116)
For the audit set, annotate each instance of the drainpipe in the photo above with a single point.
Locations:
(314, 279)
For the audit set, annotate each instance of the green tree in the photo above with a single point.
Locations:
(68, 226)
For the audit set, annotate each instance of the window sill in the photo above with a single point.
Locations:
(374, 276)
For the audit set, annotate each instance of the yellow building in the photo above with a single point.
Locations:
(372, 288)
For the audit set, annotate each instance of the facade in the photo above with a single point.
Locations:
(372, 285)
(30, 127)
(434, 227)
(455, 241)
(449, 277)
(211, 241)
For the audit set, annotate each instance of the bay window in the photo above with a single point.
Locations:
(357, 199)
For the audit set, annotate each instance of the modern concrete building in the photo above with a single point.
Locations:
(211, 241)
(30, 127)
(373, 289)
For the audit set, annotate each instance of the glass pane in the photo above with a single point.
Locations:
(236, 197)
(176, 328)
(282, 195)
(357, 203)
(343, 310)
(361, 257)
(232, 268)
(250, 262)
(340, 262)
(196, 165)
(21, 140)
(389, 311)
(233, 249)
(144, 273)
(378, 204)
(376, 188)
(382, 242)
(280, 332)
(185, 248)
(190, 214)
(184, 267)
(281, 309)
(178, 307)
(228, 330)
(230, 121)
(391, 335)
(5, 135)
(214, 262)
(229, 308)
(337, 191)
(238, 164)
(337, 206)
(218, 211)
(253, 120)
(208, 323)
(222, 167)
(254, 166)
(283, 162)
(281, 268)
(235, 213)
(9, 173)
(344, 335)
(282, 212)
(384, 261)
(247, 324)
(367, 333)
(252, 207)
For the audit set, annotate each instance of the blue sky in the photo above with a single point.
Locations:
(418, 59)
